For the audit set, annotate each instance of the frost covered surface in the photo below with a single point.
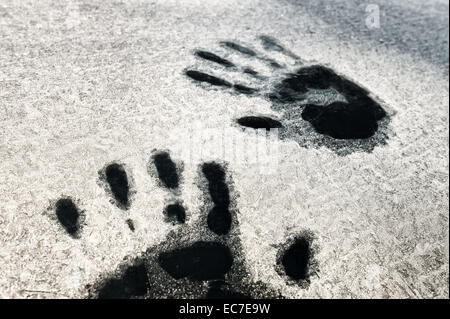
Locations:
(87, 83)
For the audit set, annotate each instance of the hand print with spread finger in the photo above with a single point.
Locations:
(200, 258)
(319, 107)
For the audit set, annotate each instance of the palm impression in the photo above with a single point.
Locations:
(318, 106)
(201, 257)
